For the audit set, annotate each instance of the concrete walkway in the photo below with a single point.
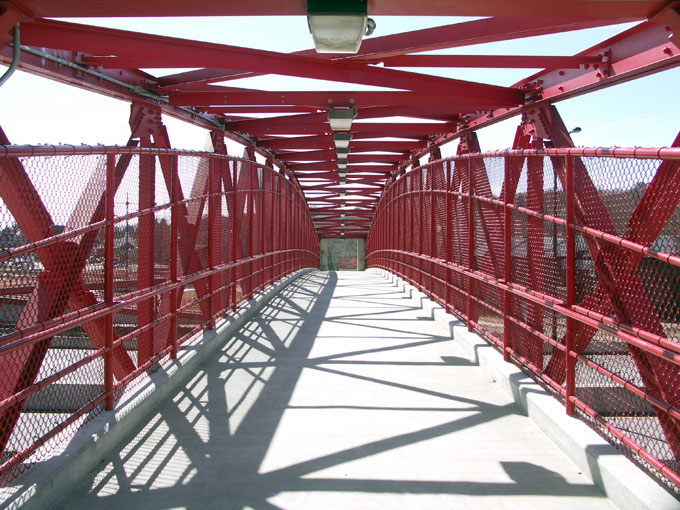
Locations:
(340, 395)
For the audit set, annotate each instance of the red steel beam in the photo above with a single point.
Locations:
(616, 9)
(331, 154)
(326, 142)
(450, 36)
(644, 49)
(96, 40)
(122, 84)
(616, 269)
(453, 99)
(372, 129)
(58, 287)
(332, 166)
(272, 125)
(492, 61)
(228, 110)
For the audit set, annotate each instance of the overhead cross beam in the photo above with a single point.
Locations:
(616, 9)
(102, 41)
(449, 36)
(462, 98)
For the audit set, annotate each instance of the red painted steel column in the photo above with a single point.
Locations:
(471, 240)
(431, 180)
(289, 226)
(251, 218)
(408, 259)
(297, 230)
(421, 228)
(535, 255)
(260, 214)
(145, 252)
(447, 237)
(214, 203)
(266, 226)
(174, 218)
(507, 267)
(570, 283)
(235, 235)
(282, 227)
(108, 279)
(278, 234)
(406, 233)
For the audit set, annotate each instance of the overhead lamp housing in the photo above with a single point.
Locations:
(342, 140)
(342, 154)
(341, 119)
(342, 165)
(338, 26)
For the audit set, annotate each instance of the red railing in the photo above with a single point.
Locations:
(566, 260)
(112, 258)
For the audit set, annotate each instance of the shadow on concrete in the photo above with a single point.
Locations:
(207, 447)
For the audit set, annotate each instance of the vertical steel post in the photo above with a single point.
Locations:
(298, 228)
(286, 231)
(234, 234)
(507, 251)
(571, 284)
(447, 237)
(251, 218)
(279, 226)
(431, 179)
(108, 278)
(535, 254)
(421, 229)
(263, 199)
(471, 241)
(408, 260)
(146, 252)
(289, 229)
(174, 219)
(212, 238)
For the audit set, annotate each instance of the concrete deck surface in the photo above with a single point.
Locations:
(340, 395)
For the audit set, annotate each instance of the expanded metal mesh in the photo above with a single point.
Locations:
(502, 258)
(190, 237)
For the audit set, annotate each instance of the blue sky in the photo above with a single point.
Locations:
(643, 112)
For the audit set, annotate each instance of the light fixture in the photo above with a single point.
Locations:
(342, 154)
(341, 119)
(575, 130)
(342, 173)
(337, 26)
(342, 140)
(342, 165)
(342, 180)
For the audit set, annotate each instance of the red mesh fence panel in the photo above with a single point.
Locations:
(184, 245)
(622, 253)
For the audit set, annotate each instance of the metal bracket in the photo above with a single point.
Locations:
(145, 120)
(536, 122)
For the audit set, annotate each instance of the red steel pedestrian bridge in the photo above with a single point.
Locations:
(117, 261)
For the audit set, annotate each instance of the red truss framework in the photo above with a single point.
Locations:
(298, 138)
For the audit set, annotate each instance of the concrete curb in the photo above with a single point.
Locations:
(44, 484)
(626, 485)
